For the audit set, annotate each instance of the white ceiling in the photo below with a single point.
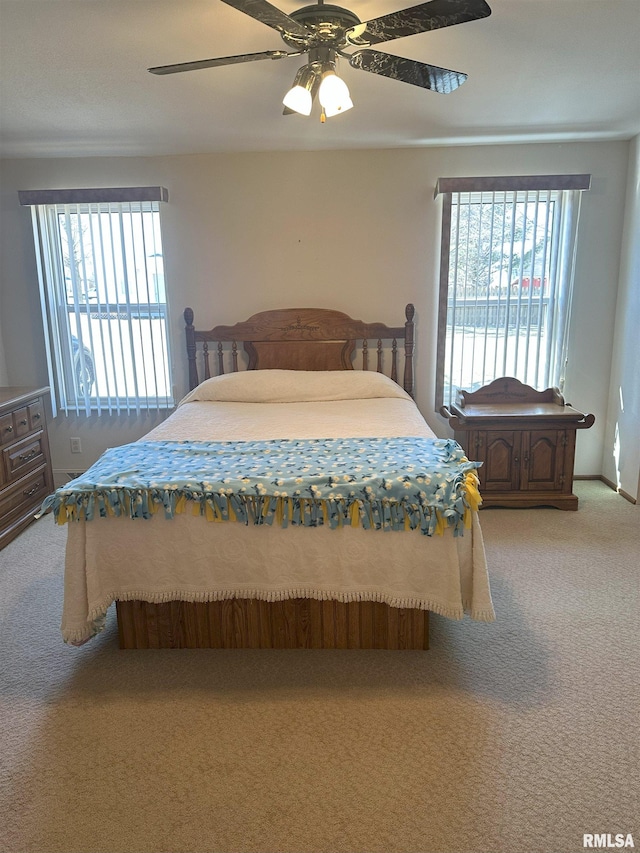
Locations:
(74, 79)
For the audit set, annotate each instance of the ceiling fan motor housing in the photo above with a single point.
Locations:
(327, 24)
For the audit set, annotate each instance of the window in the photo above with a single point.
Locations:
(103, 296)
(506, 276)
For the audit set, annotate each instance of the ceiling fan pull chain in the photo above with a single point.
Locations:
(323, 116)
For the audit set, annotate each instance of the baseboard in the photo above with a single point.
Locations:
(607, 482)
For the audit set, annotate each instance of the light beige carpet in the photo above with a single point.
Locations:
(514, 737)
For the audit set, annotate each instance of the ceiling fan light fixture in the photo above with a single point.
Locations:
(323, 31)
(333, 93)
(299, 98)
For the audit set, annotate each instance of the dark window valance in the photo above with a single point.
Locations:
(93, 196)
(516, 183)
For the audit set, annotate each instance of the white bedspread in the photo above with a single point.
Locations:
(192, 559)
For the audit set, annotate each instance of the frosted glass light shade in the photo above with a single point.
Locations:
(342, 107)
(334, 94)
(299, 100)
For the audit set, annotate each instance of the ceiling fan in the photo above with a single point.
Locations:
(323, 32)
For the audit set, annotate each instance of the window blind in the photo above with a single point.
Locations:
(104, 302)
(507, 267)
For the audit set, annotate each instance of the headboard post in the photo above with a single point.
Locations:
(190, 333)
(408, 349)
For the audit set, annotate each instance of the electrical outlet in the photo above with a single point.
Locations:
(76, 445)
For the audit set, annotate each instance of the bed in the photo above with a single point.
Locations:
(309, 567)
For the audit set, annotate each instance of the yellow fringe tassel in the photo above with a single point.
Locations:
(474, 498)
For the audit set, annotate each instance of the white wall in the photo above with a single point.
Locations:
(621, 461)
(3, 365)
(357, 230)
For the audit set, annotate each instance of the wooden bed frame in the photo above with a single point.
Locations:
(292, 339)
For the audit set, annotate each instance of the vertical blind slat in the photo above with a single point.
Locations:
(466, 281)
(544, 283)
(101, 286)
(85, 276)
(125, 306)
(164, 349)
(136, 282)
(531, 287)
(107, 219)
(453, 306)
(503, 213)
(74, 289)
(95, 275)
(42, 241)
(488, 290)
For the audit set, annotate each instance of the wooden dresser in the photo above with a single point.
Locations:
(525, 439)
(25, 465)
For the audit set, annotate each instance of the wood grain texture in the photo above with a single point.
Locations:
(300, 339)
(525, 440)
(295, 623)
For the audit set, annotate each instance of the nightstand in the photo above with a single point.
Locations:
(525, 439)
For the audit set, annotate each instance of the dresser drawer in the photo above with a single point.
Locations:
(21, 496)
(36, 415)
(21, 422)
(7, 433)
(24, 456)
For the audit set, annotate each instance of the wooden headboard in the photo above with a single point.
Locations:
(303, 339)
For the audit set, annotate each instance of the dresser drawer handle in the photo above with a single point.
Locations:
(23, 422)
(37, 416)
(8, 429)
(28, 492)
(24, 456)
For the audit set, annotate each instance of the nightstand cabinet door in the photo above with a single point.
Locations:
(542, 460)
(499, 452)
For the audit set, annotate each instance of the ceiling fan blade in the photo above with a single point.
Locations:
(432, 15)
(263, 11)
(432, 77)
(221, 60)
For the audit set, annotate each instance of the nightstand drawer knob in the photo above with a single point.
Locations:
(28, 492)
(8, 429)
(37, 416)
(23, 422)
